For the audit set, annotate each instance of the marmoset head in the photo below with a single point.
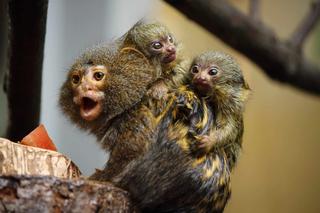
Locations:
(217, 73)
(154, 40)
(104, 82)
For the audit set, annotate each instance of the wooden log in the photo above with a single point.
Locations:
(51, 194)
(17, 159)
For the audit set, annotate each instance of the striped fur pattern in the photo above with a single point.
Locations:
(172, 176)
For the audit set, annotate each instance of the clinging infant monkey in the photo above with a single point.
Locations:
(188, 169)
(216, 77)
(163, 51)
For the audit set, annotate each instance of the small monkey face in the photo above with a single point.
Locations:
(87, 85)
(204, 77)
(165, 48)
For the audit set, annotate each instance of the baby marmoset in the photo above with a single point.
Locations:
(206, 118)
(217, 78)
(162, 49)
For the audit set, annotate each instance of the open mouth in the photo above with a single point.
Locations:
(90, 109)
(202, 86)
(169, 58)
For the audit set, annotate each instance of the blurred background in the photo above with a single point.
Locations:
(279, 170)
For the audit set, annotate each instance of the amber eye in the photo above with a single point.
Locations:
(213, 71)
(75, 79)
(98, 76)
(156, 45)
(170, 39)
(195, 69)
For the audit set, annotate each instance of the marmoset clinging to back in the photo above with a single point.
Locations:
(163, 51)
(207, 117)
(217, 79)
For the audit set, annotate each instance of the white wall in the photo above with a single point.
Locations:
(72, 26)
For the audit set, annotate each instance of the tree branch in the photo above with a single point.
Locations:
(278, 59)
(254, 10)
(306, 25)
(28, 26)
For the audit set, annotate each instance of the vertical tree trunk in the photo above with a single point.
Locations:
(3, 37)
(3, 63)
(27, 34)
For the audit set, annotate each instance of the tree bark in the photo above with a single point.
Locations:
(51, 194)
(39, 180)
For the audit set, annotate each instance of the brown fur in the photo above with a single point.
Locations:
(226, 95)
(154, 141)
(171, 74)
(125, 125)
(172, 176)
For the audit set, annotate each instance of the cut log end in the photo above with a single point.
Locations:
(17, 159)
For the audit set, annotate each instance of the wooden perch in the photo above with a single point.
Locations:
(51, 194)
(16, 159)
(280, 60)
(25, 184)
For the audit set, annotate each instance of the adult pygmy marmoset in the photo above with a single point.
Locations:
(103, 92)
